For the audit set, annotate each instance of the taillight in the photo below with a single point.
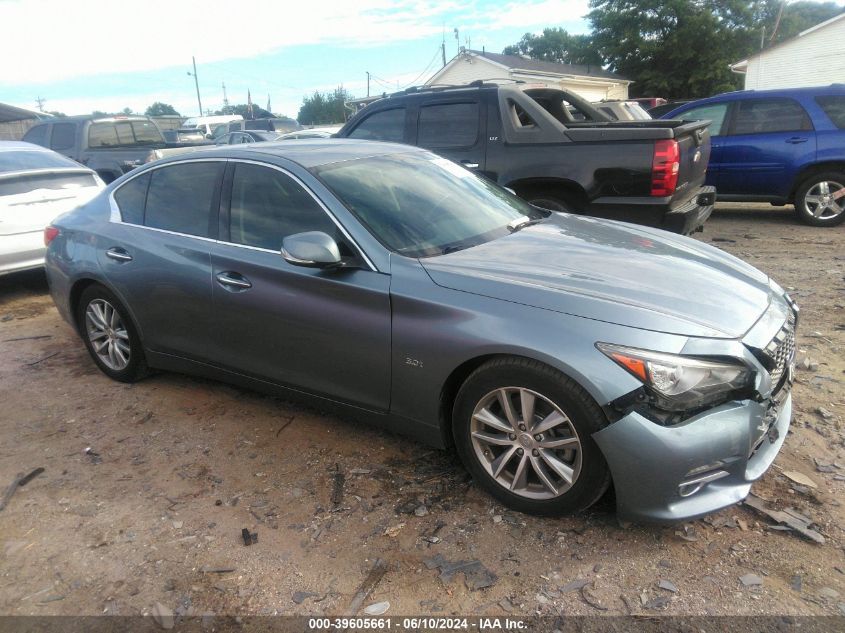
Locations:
(50, 233)
(664, 167)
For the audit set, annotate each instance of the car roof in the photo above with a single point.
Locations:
(6, 146)
(812, 91)
(307, 153)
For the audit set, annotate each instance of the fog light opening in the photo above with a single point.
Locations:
(696, 484)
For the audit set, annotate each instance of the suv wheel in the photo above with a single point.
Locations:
(550, 201)
(109, 335)
(523, 430)
(820, 200)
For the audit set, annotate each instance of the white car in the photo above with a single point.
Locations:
(623, 110)
(36, 186)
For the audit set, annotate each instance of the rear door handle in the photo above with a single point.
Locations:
(233, 280)
(118, 254)
(469, 165)
(797, 139)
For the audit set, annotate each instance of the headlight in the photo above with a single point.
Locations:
(680, 383)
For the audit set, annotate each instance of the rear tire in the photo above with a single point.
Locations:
(551, 201)
(523, 430)
(813, 199)
(110, 336)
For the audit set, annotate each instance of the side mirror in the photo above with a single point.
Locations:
(313, 249)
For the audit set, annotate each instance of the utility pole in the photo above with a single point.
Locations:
(196, 82)
(368, 83)
(225, 100)
(41, 101)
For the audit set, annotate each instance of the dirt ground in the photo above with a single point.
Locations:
(147, 489)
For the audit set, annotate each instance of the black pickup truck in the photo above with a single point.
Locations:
(555, 150)
(111, 146)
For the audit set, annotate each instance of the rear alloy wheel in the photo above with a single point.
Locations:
(820, 200)
(109, 335)
(524, 431)
(551, 202)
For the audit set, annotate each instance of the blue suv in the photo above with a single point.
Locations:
(779, 146)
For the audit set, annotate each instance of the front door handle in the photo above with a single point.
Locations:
(469, 165)
(233, 280)
(118, 254)
(797, 139)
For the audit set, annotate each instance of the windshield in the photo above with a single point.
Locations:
(419, 205)
(25, 159)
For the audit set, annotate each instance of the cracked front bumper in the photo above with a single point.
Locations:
(652, 465)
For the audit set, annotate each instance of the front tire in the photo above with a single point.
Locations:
(523, 430)
(814, 201)
(109, 335)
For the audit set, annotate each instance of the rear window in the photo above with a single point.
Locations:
(27, 159)
(448, 125)
(387, 125)
(64, 136)
(122, 133)
(834, 108)
(53, 182)
(179, 197)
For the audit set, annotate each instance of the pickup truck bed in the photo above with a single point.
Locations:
(526, 138)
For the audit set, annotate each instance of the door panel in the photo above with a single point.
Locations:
(325, 332)
(769, 140)
(454, 130)
(166, 283)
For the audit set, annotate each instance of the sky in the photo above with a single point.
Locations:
(90, 55)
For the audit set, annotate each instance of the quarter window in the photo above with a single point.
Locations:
(387, 125)
(131, 198)
(714, 112)
(37, 135)
(64, 136)
(448, 125)
(180, 196)
(268, 205)
(761, 116)
(834, 108)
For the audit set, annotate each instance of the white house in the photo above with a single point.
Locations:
(814, 57)
(590, 82)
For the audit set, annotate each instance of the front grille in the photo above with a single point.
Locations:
(780, 351)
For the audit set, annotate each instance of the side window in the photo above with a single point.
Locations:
(833, 106)
(180, 196)
(387, 125)
(268, 205)
(37, 135)
(102, 135)
(760, 116)
(131, 198)
(64, 136)
(448, 125)
(715, 112)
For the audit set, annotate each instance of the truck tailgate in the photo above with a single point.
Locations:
(694, 149)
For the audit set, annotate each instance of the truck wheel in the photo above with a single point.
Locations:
(820, 200)
(524, 432)
(551, 201)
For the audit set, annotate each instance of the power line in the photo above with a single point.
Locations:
(433, 59)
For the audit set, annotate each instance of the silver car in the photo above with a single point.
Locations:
(558, 354)
(36, 185)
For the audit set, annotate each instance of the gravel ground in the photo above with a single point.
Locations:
(177, 467)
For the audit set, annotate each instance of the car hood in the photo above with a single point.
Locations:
(613, 272)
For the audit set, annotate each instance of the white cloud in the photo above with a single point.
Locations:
(58, 40)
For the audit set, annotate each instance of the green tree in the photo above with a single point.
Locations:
(161, 109)
(684, 48)
(57, 114)
(326, 108)
(127, 111)
(557, 45)
(243, 110)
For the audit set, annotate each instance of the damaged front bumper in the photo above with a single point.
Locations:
(675, 473)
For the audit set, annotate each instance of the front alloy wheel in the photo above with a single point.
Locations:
(524, 431)
(526, 443)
